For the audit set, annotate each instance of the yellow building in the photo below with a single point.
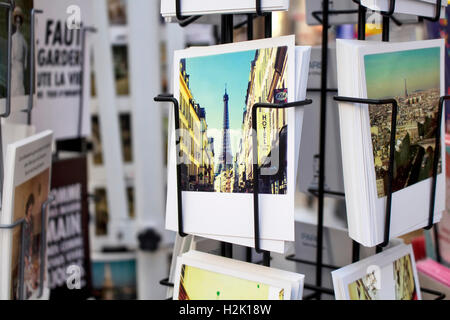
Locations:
(268, 76)
(198, 157)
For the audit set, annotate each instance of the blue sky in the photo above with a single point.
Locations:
(208, 76)
(386, 72)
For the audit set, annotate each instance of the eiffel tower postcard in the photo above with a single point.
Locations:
(217, 87)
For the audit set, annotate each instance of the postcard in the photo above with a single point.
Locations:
(217, 88)
(411, 73)
(202, 276)
(390, 275)
(417, 91)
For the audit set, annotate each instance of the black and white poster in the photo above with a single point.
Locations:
(59, 76)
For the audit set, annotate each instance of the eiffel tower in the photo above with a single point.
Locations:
(226, 157)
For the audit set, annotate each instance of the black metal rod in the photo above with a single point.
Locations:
(171, 99)
(293, 258)
(319, 90)
(268, 25)
(256, 106)
(389, 192)
(356, 248)
(166, 283)
(437, 247)
(250, 27)
(266, 258)
(440, 295)
(385, 31)
(319, 289)
(314, 192)
(183, 21)
(436, 160)
(322, 144)
(391, 9)
(226, 28)
(248, 254)
(317, 14)
(362, 11)
(258, 8)
(437, 15)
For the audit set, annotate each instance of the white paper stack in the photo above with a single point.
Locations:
(221, 208)
(424, 8)
(309, 149)
(204, 7)
(390, 275)
(202, 276)
(343, 18)
(413, 74)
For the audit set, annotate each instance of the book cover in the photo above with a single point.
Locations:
(26, 188)
(69, 265)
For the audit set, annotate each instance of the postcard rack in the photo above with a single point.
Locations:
(227, 28)
(42, 254)
(320, 193)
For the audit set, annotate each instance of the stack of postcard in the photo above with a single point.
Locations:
(202, 7)
(412, 73)
(425, 8)
(26, 187)
(309, 148)
(202, 276)
(390, 275)
(314, 7)
(217, 88)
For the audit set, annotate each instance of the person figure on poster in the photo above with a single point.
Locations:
(19, 53)
(29, 274)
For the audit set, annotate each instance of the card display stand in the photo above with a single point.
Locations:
(320, 192)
